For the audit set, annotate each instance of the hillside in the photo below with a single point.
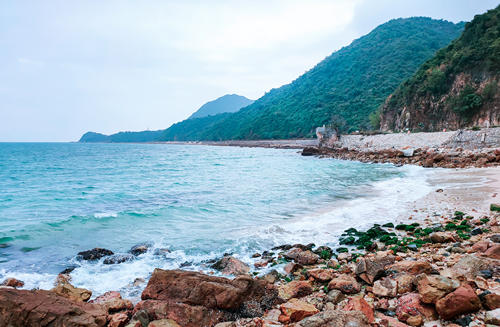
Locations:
(121, 137)
(226, 103)
(458, 87)
(351, 83)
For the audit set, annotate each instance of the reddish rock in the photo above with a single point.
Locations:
(295, 289)
(434, 287)
(462, 300)
(412, 267)
(346, 284)
(385, 287)
(321, 275)
(441, 237)
(296, 310)
(292, 267)
(231, 266)
(410, 305)
(187, 297)
(491, 301)
(12, 282)
(405, 282)
(303, 257)
(370, 269)
(118, 320)
(261, 263)
(335, 318)
(481, 246)
(389, 321)
(493, 252)
(359, 304)
(44, 308)
(113, 302)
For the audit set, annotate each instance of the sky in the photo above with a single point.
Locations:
(68, 67)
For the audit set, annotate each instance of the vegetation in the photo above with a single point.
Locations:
(351, 83)
(476, 51)
(121, 137)
(226, 103)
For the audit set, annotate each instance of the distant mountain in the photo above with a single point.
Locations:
(209, 112)
(347, 86)
(226, 103)
(121, 137)
(458, 87)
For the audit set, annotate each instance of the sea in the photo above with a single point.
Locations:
(189, 203)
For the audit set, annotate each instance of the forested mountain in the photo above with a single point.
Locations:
(350, 84)
(226, 103)
(458, 87)
(121, 137)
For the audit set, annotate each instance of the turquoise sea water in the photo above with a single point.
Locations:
(57, 199)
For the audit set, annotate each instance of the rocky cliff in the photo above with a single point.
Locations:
(459, 87)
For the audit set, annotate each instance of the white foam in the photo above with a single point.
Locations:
(106, 214)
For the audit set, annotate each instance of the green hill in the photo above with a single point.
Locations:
(226, 103)
(350, 83)
(121, 137)
(456, 88)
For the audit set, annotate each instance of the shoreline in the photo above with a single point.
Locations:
(467, 190)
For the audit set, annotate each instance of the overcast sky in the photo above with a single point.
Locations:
(67, 67)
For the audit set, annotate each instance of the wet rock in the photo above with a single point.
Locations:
(487, 273)
(231, 266)
(359, 304)
(295, 289)
(441, 237)
(412, 267)
(73, 293)
(385, 287)
(335, 318)
(296, 310)
(370, 269)
(112, 301)
(321, 275)
(476, 231)
(346, 284)
(12, 282)
(140, 249)
(310, 151)
(118, 258)
(303, 257)
(94, 254)
(462, 300)
(45, 308)
(410, 305)
(138, 281)
(188, 297)
(68, 270)
(434, 287)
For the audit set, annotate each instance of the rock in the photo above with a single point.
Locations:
(481, 246)
(492, 317)
(292, 267)
(405, 282)
(303, 257)
(441, 237)
(369, 269)
(44, 308)
(469, 266)
(73, 293)
(12, 282)
(271, 277)
(412, 267)
(118, 320)
(195, 299)
(163, 323)
(261, 263)
(495, 238)
(94, 254)
(310, 151)
(140, 249)
(490, 301)
(229, 265)
(390, 322)
(321, 275)
(113, 302)
(415, 320)
(295, 289)
(462, 300)
(346, 284)
(410, 305)
(118, 258)
(335, 318)
(334, 296)
(434, 287)
(359, 304)
(493, 252)
(296, 310)
(385, 287)
(138, 281)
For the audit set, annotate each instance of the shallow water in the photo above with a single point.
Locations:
(199, 202)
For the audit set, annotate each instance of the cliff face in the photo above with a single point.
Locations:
(459, 87)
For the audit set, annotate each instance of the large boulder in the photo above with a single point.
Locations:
(370, 269)
(462, 300)
(19, 308)
(195, 299)
(94, 254)
(231, 266)
(434, 287)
